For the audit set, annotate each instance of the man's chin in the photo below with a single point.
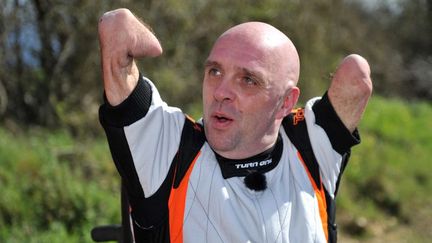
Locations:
(220, 144)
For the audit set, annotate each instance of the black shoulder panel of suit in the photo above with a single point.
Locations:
(326, 117)
(133, 108)
(192, 139)
(295, 127)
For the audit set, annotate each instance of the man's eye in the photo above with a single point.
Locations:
(250, 81)
(214, 72)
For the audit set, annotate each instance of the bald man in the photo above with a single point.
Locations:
(253, 169)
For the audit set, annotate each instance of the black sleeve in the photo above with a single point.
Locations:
(340, 137)
(130, 110)
(113, 119)
(147, 212)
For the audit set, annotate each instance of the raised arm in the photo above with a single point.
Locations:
(350, 90)
(122, 39)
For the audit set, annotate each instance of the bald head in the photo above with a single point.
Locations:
(248, 89)
(270, 44)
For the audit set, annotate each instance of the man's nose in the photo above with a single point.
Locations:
(224, 91)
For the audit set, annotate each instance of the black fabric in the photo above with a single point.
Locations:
(331, 218)
(154, 235)
(126, 219)
(262, 162)
(256, 181)
(133, 108)
(326, 117)
(345, 159)
(192, 139)
(123, 160)
(297, 132)
(150, 215)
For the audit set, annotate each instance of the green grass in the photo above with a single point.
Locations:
(388, 182)
(55, 188)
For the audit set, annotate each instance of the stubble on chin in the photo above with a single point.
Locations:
(219, 142)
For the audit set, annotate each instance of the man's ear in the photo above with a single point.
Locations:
(289, 101)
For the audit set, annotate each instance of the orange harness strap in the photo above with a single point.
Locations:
(319, 192)
(176, 206)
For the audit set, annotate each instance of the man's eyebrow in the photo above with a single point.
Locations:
(210, 63)
(256, 75)
(250, 72)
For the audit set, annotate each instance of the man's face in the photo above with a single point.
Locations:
(242, 100)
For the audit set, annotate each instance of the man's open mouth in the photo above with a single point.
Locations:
(221, 118)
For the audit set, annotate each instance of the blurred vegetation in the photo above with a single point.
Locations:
(385, 192)
(49, 58)
(56, 176)
(54, 187)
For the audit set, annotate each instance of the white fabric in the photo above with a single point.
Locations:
(155, 137)
(329, 160)
(219, 210)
